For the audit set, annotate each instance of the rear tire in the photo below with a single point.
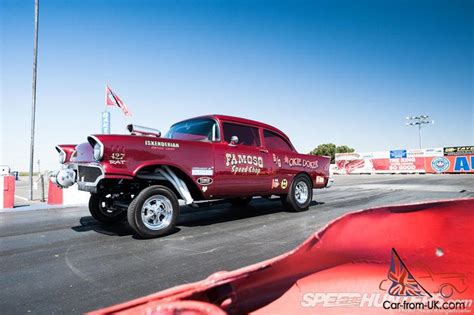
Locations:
(154, 212)
(101, 209)
(300, 194)
(240, 202)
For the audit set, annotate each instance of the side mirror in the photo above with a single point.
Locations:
(234, 140)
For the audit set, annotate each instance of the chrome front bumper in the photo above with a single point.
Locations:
(86, 176)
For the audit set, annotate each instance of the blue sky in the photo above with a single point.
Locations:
(346, 72)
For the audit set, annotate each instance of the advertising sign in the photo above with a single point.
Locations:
(396, 154)
(430, 160)
(415, 153)
(432, 152)
(105, 122)
(353, 163)
(381, 155)
(467, 150)
(450, 164)
(399, 165)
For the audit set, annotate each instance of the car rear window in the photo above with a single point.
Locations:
(274, 141)
(247, 135)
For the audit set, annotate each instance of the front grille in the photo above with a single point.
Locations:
(88, 173)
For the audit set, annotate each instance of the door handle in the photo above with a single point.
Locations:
(263, 150)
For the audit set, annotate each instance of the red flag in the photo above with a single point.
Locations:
(111, 99)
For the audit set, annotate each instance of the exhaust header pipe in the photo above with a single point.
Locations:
(141, 130)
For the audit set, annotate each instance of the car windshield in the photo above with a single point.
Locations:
(194, 130)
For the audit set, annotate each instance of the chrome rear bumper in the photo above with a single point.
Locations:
(330, 182)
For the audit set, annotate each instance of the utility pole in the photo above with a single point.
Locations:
(33, 103)
(419, 121)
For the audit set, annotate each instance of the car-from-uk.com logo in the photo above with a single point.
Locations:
(440, 164)
(435, 292)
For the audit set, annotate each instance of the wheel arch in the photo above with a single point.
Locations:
(308, 175)
(196, 194)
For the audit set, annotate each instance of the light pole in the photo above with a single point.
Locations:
(419, 121)
(33, 102)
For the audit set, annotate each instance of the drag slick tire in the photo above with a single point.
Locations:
(240, 202)
(300, 194)
(153, 213)
(101, 208)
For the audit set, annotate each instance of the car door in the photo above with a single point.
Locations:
(242, 167)
(281, 152)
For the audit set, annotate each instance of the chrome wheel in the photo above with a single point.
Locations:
(157, 212)
(301, 192)
(300, 195)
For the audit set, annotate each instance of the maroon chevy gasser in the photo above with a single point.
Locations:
(141, 176)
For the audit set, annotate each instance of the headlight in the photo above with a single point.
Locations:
(62, 157)
(98, 151)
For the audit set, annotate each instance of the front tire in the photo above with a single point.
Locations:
(101, 209)
(154, 212)
(300, 194)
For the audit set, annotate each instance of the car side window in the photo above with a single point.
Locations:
(247, 135)
(274, 141)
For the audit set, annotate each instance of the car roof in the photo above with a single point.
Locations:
(243, 121)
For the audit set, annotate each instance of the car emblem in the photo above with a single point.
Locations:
(204, 181)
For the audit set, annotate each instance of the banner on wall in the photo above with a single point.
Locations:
(430, 160)
(353, 163)
(415, 153)
(399, 165)
(467, 150)
(450, 164)
(398, 154)
(433, 152)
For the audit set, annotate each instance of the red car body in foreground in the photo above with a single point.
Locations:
(214, 157)
(340, 269)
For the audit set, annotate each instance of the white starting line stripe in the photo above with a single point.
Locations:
(21, 198)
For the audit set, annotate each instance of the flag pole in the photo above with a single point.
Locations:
(105, 103)
(105, 115)
(33, 103)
